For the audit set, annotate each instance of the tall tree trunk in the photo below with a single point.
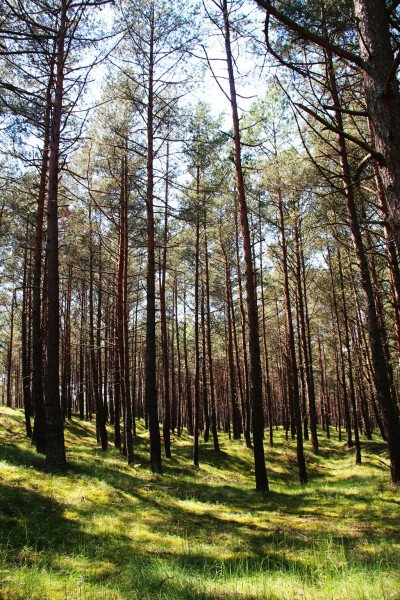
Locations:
(204, 367)
(26, 383)
(323, 394)
(151, 399)
(122, 320)
(117, 377)
(196, 346)
(178, 353)
(307, 350)
(247, 412)
(10, 354)
(231, 363)
(256, 397)
(292, 350)
(39, 424)
(390, 173)
(382, 95)
(188, 387)
(163, 317)
(265, 345)
(343, 381)
(214, 424)
(135, 394)
(349, 362)
(66, 397)
(55, 446)
(125, 328)
(94, 356)
(81, 384)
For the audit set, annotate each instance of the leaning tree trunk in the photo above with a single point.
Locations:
(387, 400)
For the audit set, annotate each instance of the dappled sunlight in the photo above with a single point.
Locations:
(106, 530)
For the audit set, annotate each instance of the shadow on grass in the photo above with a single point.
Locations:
(16, 455)
(28, 518)
(198, 512)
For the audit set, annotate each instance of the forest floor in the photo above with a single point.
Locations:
(104, 531)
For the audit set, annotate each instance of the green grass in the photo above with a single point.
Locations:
(104, 531)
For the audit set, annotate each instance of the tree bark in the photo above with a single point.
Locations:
(39, 423)
(163, 317)
(151, 399)
(292, 350)
(55, 446)
(382, 95)
(25, 344)
(251, 296)
(196, 347)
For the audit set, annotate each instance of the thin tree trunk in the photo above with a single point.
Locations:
(26, 384)
(292, 350)
(9, 395)
(231, 362)
(214, 425)
(94, 356)
(265, 345)
(343, 383)
(196, 347)
(349, 362)
(247, 412)
(188, 387)
(150, 367)
(163, 317)
(306, 346)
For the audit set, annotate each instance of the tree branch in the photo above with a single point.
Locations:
(308, 35)
(393, 6)
(346, 111)
(377, 155)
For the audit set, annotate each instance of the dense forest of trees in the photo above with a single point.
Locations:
(200, 270)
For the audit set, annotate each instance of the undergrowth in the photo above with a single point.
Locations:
(106, 531)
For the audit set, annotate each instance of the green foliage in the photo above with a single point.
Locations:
(106, 531)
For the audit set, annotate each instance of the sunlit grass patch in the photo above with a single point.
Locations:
(103, 530)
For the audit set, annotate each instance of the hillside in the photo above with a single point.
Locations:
(105, 531)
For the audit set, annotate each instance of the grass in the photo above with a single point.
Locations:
(104, 531)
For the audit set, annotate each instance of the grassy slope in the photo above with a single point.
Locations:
(106, 531)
